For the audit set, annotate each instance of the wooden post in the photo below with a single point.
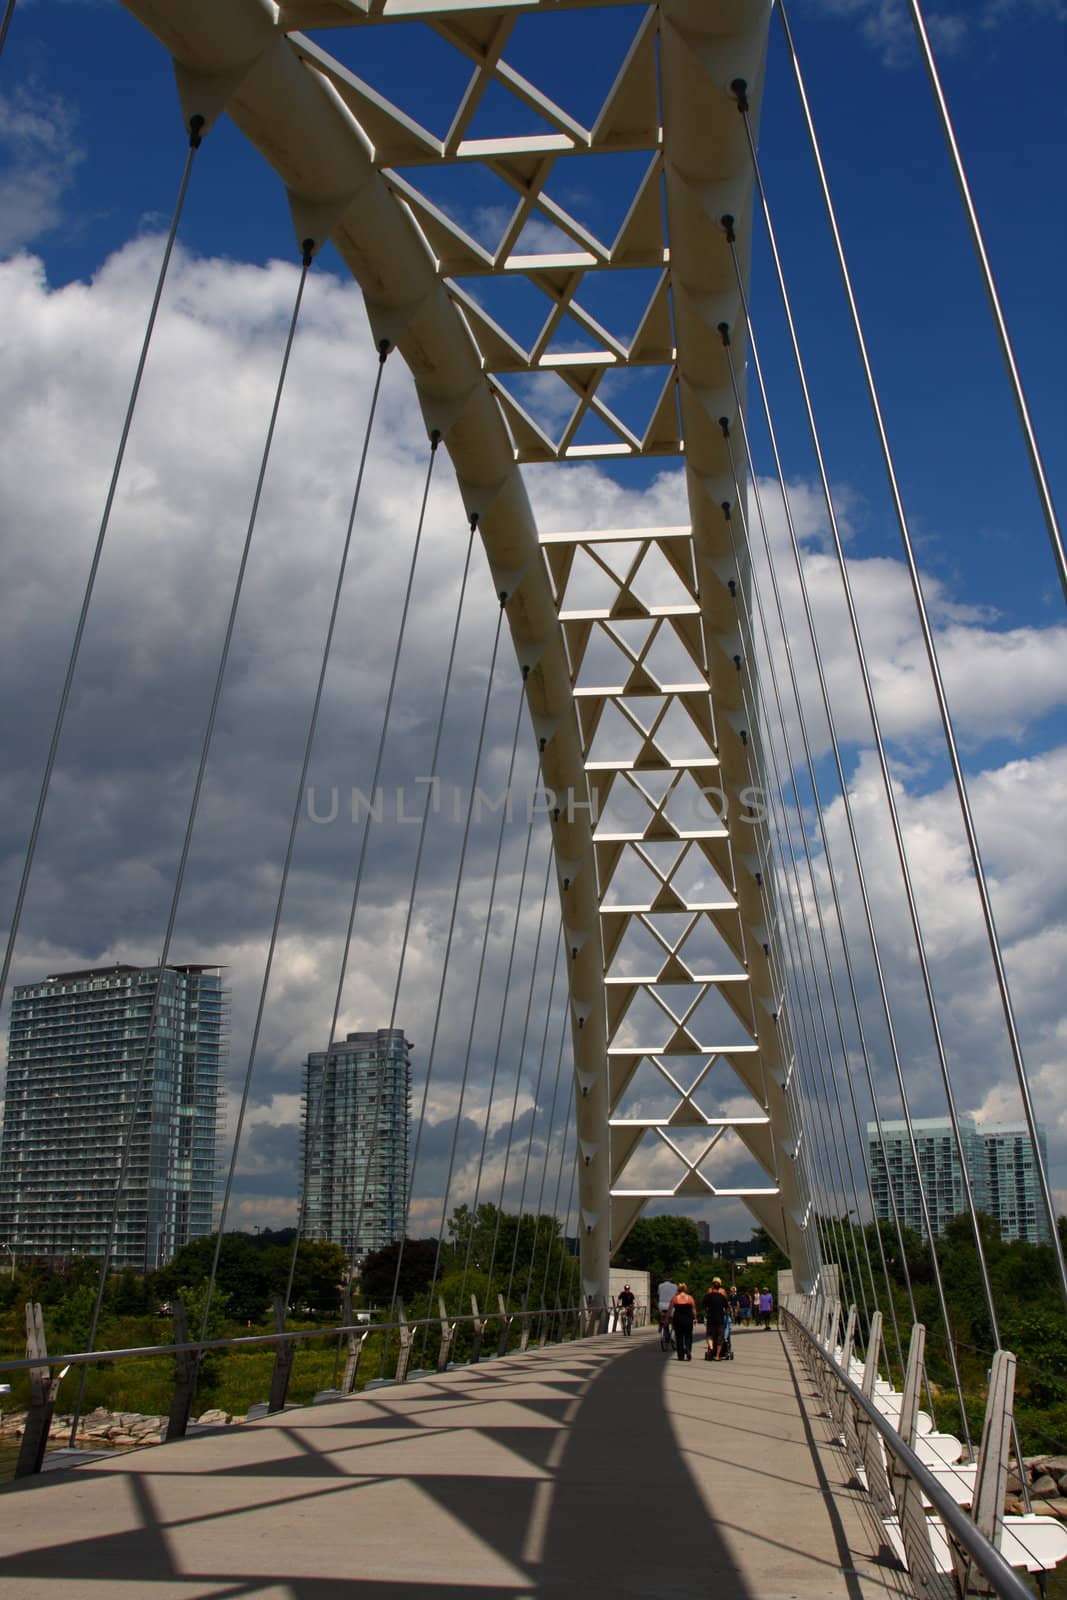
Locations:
(187, 1362)
(43, 1390)
(284, 1352)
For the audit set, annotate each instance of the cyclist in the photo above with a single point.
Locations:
(664, 1295)
(627, 1301)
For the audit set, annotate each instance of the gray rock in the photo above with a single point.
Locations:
(1044, 1486)
(1056, 1507)
(215, 1417)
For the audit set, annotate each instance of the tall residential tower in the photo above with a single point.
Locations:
(77, 1049)
(1001, 1166)
(355, 1141)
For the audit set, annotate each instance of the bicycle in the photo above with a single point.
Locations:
(626, 1319)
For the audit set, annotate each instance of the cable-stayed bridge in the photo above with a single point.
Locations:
(711, 1029)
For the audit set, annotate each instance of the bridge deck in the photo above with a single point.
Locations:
(597, 1468)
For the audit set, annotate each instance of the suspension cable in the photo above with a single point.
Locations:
(314, 1124)
(452, 930)
(935, 670)
(533, 1118)
(827, 707)
(494, 1073)
(518, 1069)
(9, 12)
(825, 840)
(196, 126)
(548, 1142)
(811, 776)
(1037, 466)
(410, 912)
(559, 1172)
(308, 249)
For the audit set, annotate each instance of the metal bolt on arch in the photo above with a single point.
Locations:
(629, 638)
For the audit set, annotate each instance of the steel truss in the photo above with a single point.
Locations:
(662, 733)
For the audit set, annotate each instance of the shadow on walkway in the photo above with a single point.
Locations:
(554, 1474)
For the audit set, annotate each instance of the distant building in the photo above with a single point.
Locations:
(76, 1051)
(354, 1134)
(703, 1232)
(1012, 1191)
(999, 1162)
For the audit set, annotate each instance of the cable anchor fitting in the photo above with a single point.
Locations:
(384, 347)
(731, 584)
(307, 251)
(724, 335)
(472, 518)
(728, 228)
(196, 130)
(739, 90)
(435, 433)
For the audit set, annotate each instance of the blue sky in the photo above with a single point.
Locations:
(89, 160)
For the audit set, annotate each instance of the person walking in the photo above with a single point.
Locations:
(744, 1307)
(683, 1311)
(716, 1308)
(766, 1306)
(664, 1296)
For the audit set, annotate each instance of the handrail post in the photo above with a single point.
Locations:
(283, 1361)
(43, 1390)
(403, 1360)
(505, 1326)
(188, 1364)
(524, 1339)
(991, 1479)
(476, 1330)
(448, 1333)
(355, 1342)
(906, 1492)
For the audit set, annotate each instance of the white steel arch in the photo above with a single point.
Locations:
(664, 593)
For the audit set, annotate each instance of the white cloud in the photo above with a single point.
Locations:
(40, 155)
(108, 849)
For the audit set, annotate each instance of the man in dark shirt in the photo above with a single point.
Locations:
(627, 1301)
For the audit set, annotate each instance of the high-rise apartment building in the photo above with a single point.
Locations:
(1000, 1165)
(76, 1051)
(355, 1123)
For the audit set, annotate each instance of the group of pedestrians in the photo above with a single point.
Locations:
(721, 1308)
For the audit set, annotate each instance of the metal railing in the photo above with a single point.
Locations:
(550, 1324)
(951, 1553)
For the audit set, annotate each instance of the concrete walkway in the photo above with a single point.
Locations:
(596, 1469)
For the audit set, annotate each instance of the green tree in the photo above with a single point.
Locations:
(378, 1271)
(663, 1246)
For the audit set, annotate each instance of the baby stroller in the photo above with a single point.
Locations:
(727, 1351)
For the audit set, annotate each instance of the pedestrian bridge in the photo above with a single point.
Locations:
(595, 1467)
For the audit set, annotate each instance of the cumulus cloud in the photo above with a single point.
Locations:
(886, 26)
(41, 154)
(122, 786)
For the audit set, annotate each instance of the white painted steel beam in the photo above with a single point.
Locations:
(650, 736)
